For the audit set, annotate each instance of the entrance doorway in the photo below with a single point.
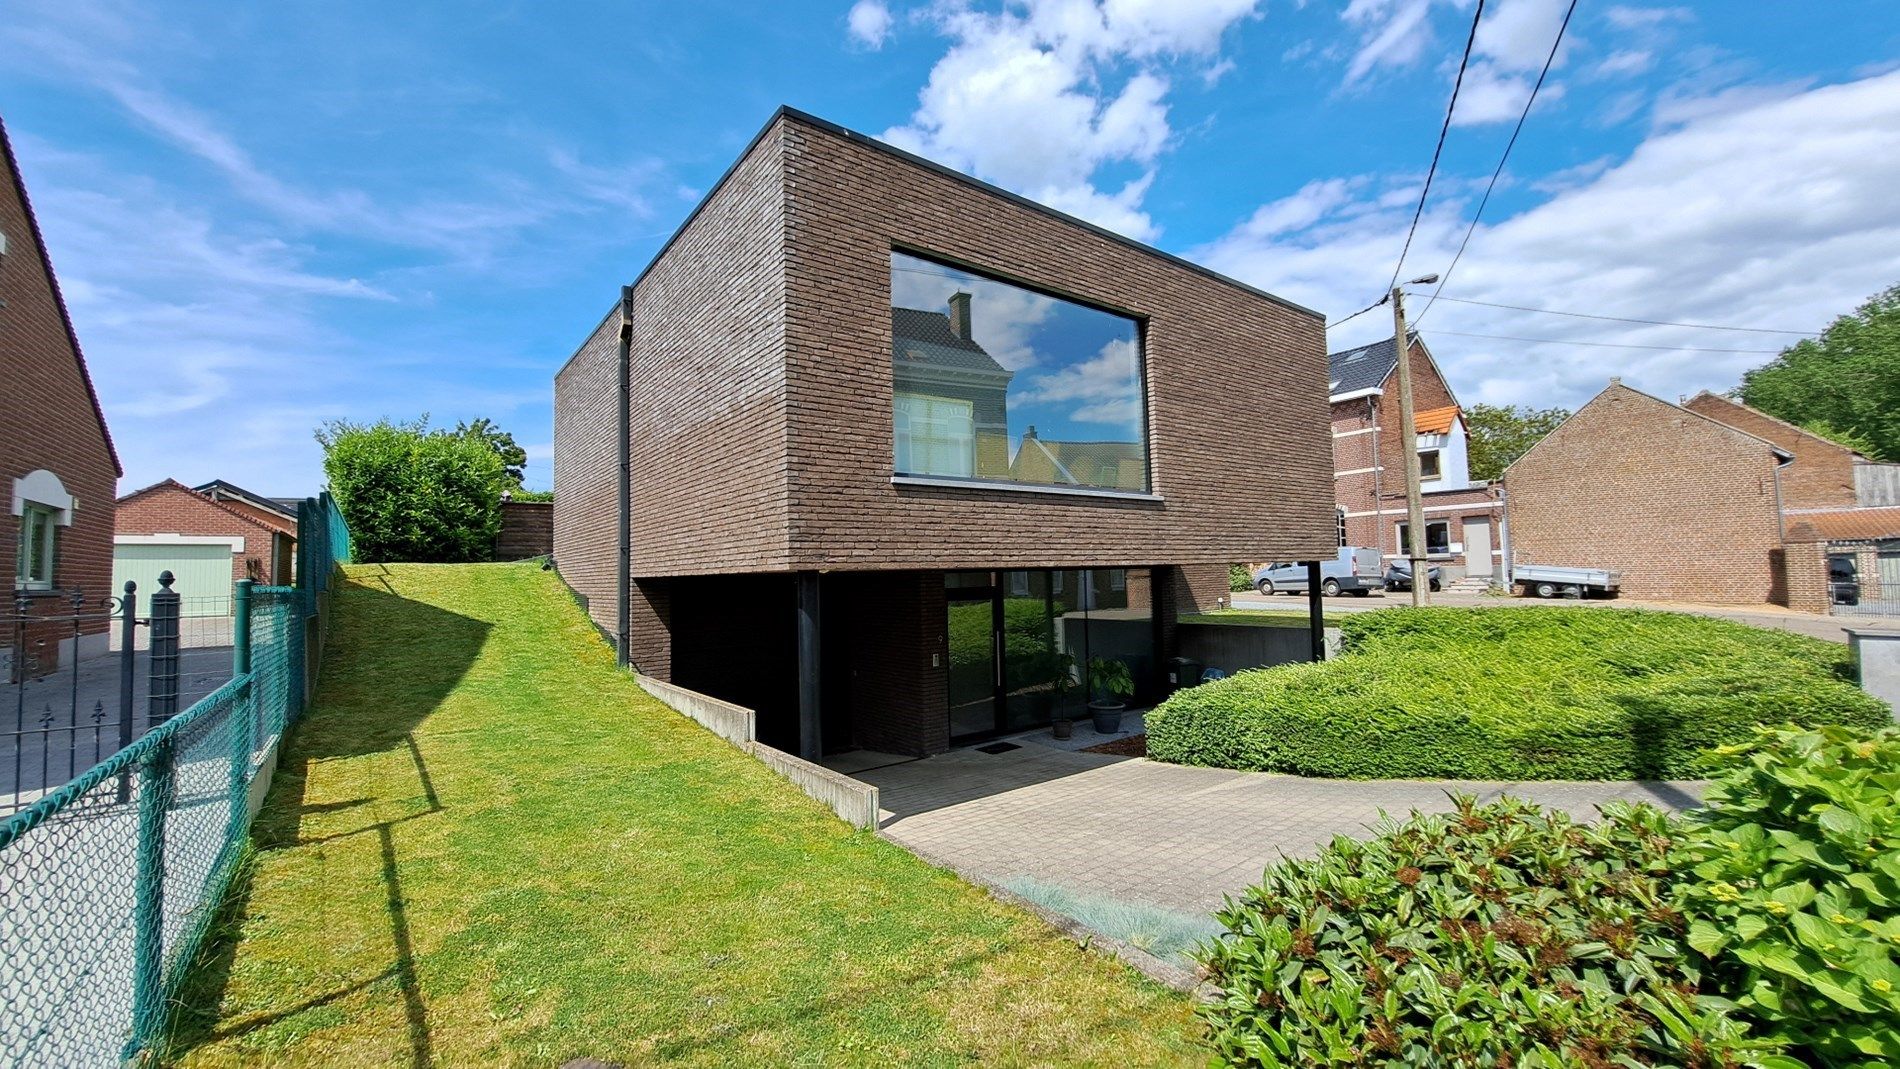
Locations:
(1478, 547)
(1020, 644)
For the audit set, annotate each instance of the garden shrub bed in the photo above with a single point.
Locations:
(1760, 931)
(1515, 693)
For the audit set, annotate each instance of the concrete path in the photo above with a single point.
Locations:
(1165, 835)
(1830, 628)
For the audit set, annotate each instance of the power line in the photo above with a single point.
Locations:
(1359, 313)
(1603, 344)
(1458, 83)
(1445, 275)
(1615, 319)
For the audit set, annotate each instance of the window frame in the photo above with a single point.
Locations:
(1339, 512)
(46, 518)
(1438, 465)
(903, 437)
(1398, 530)
(1141, 323)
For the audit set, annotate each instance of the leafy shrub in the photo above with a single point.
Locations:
(413, 494)
(1797, 891)
(1239, 577)
(1542, 692)
(1497, 935)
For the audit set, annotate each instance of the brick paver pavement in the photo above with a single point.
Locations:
(1163, 834)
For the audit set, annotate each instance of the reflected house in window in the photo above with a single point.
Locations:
(951, 401)
(970, 452)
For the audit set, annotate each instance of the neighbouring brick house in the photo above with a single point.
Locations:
(1706, 501)
(1463, 518)
(207, 537)
(830, 520)
(58, 469)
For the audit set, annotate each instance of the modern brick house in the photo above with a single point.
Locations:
(903, 452)
(1463, 519)
(1707, 501)
(58, 468)
(207, 537)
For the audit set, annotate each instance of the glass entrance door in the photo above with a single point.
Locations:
(974, 680)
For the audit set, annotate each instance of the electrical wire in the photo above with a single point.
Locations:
(1602, 344)
(1359, 313)
(1463, 62)
(1615, 319)
(1445, 275)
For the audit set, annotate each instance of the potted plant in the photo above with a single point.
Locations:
(1062, 725)
(1113, 686)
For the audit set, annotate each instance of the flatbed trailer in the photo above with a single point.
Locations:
(1552, 581)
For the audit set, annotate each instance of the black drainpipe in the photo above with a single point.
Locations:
(624, 557)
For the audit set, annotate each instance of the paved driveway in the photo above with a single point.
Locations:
(1830, 628)
(1165, 835)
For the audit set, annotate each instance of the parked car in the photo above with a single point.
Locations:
(1843, 579)
(1398, 575)
(1354, 571)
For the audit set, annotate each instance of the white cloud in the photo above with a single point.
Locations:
(1626, 17)
(869, 23)
(1104, 388)
(1392, 33)
(1034, 97)
(1770, 209)
(1625, 61)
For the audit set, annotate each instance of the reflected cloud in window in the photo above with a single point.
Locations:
(998, 383)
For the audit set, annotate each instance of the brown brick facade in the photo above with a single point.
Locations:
(527, 530)
(49, 421)
(171, 507)
(761, 420)
(1683, 506)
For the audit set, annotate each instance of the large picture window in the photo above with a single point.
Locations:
(994, 382)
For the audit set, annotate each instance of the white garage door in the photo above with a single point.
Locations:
(201, 574)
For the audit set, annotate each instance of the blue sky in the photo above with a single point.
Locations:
(266, 215)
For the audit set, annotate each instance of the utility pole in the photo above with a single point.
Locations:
(1408, 445)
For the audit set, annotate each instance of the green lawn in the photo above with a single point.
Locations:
(486, 846)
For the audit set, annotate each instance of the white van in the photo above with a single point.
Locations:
(1354, 571)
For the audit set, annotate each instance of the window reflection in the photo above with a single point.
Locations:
(999, 383)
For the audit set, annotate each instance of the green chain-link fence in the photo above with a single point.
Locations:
(108, 884)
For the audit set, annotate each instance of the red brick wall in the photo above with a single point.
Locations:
(174, 508)
(1821, 474)
(47, 418)
(1234, 486)
(1682, 506)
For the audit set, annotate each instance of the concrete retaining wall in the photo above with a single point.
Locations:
(1878, 654)
(734, 723)
(1237, 647)
(855, 803)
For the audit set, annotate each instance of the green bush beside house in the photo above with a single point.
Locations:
(1760, 931)
(1514, 693)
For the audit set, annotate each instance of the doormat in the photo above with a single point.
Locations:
(998, 747)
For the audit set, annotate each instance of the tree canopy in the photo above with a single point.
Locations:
(1502, 433)
(514, 459)
(1843, 385)
(414, 494)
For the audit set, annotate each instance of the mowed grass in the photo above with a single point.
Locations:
(486, 846)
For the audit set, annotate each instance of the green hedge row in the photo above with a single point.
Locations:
(1540, 692)
(1761, 931)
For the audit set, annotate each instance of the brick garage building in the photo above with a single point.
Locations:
(172, 518)
(58, 469)
(828, 525)
(1463, 518)
(1707, 501)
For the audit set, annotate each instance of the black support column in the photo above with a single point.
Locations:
(810, 692)
(1315, 610)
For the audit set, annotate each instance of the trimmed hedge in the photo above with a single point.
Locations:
(1496, 935)
(1526, 692)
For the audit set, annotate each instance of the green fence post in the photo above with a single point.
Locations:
(148, 904)
(242, 719)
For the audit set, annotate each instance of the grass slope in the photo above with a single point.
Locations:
(487, 846)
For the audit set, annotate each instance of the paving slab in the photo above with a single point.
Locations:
(1167, 835)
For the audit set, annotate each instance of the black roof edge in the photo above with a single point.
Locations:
(786, 111)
